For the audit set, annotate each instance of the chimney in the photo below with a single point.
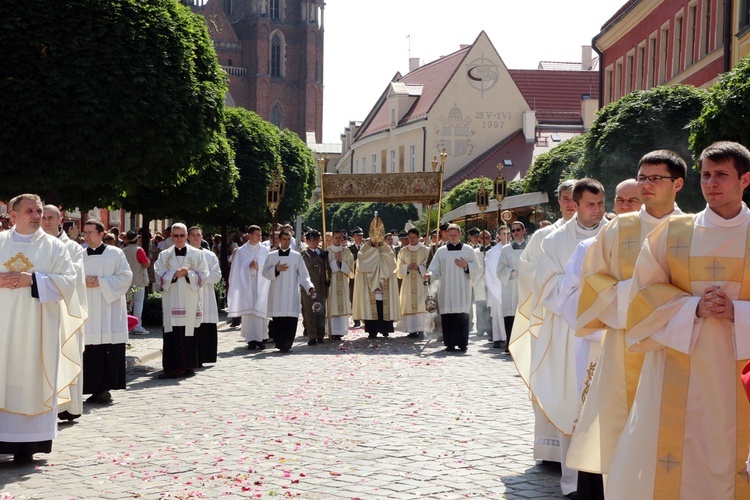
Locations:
(413, 63)
(587, 59)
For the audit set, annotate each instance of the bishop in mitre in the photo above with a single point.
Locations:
(375, 293)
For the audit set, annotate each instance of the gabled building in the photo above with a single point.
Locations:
(469, 103)
(666, 42)
(272, 51)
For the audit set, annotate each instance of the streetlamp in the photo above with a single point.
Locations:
(500, 189)
(274, 193)
(443, 157)
(323, 166)
(483, 200)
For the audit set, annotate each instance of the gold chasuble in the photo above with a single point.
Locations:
(687, 434)
(605, 283)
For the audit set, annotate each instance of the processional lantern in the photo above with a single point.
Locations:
(501, 185)
(483, 196)
(275, 191)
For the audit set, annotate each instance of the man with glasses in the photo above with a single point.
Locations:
(508, 266)
(206, 338)
(689, 312)
(108, 278)
(181, 271)
(316, 261)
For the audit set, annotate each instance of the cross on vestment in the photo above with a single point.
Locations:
(678, 247)
(630, 242)
(715, 268)
(669, 462)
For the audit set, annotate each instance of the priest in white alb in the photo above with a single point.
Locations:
(495, 293)
(456, 267)
(207, 337)
(606, 274)
(553, 365)
(411, 265)
(687, 433)
(287, 272)
(52, 225)
(247, 296)
(108, 277)
(39, 319)
(181, 271)
(341, 263)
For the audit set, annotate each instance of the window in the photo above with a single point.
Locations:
(393, 117)
(412, 157)
(692, 23)
(229, 7)
(719, 20)
(641, 73)
(374, 163)
(392, 167)
(629, 73)
(276, 114)
(663, 48)
(274, 7)
(677, 49)
(653, 61)
(705, 47)
(609, 87)
(744, 14)
(618, 79)
(276, 55)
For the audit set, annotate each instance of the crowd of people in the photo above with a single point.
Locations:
(626, 327)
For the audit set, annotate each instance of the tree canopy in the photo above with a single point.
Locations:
(549, 169)
(349, 215)
(726, 113)
(102, 96)
(643, 121)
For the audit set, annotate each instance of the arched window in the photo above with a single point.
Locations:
(274, 6)
(276, 54)
(276, 114)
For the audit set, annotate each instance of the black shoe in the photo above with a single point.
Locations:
(450, 348)
(498, 344)
(66, 415)
(506, 351)
(265, 341)
(372, 335)
(413, 335)
(23, 458)
(462, 348)
(321, 341)
(572, 495)
(260, 346)
(338, 338)
(384, 334)
(357, 324)
(162, 376)
(312, 342)
(189, 373)
(251, 345)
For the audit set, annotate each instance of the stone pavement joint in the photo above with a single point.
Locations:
(387, 418)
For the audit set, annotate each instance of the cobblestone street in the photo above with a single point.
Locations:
(390, 418)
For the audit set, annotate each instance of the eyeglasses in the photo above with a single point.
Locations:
(631, 201)
(653, 178)
(178, 235)
(516, 230)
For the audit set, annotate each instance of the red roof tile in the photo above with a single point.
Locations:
(433, 77)
(556, 95)
(514, 148)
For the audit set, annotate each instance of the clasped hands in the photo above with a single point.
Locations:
(181, 272)
(15, 280)
(716, 303)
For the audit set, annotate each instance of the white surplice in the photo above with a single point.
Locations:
(248, 291)
(454, 283)
(35, 335)
(107, 305)
(339, 306)
(181, 299)
(495, 291)
(208, 294)
(284, 298)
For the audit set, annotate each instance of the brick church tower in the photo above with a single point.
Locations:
(272, 51)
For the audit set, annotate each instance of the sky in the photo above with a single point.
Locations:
(366, 42)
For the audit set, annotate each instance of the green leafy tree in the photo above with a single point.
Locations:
(256, 145)
(299, 169)
(466, 192)
(103, 96)
(640, 122)
(550, 168)
(726, 113)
